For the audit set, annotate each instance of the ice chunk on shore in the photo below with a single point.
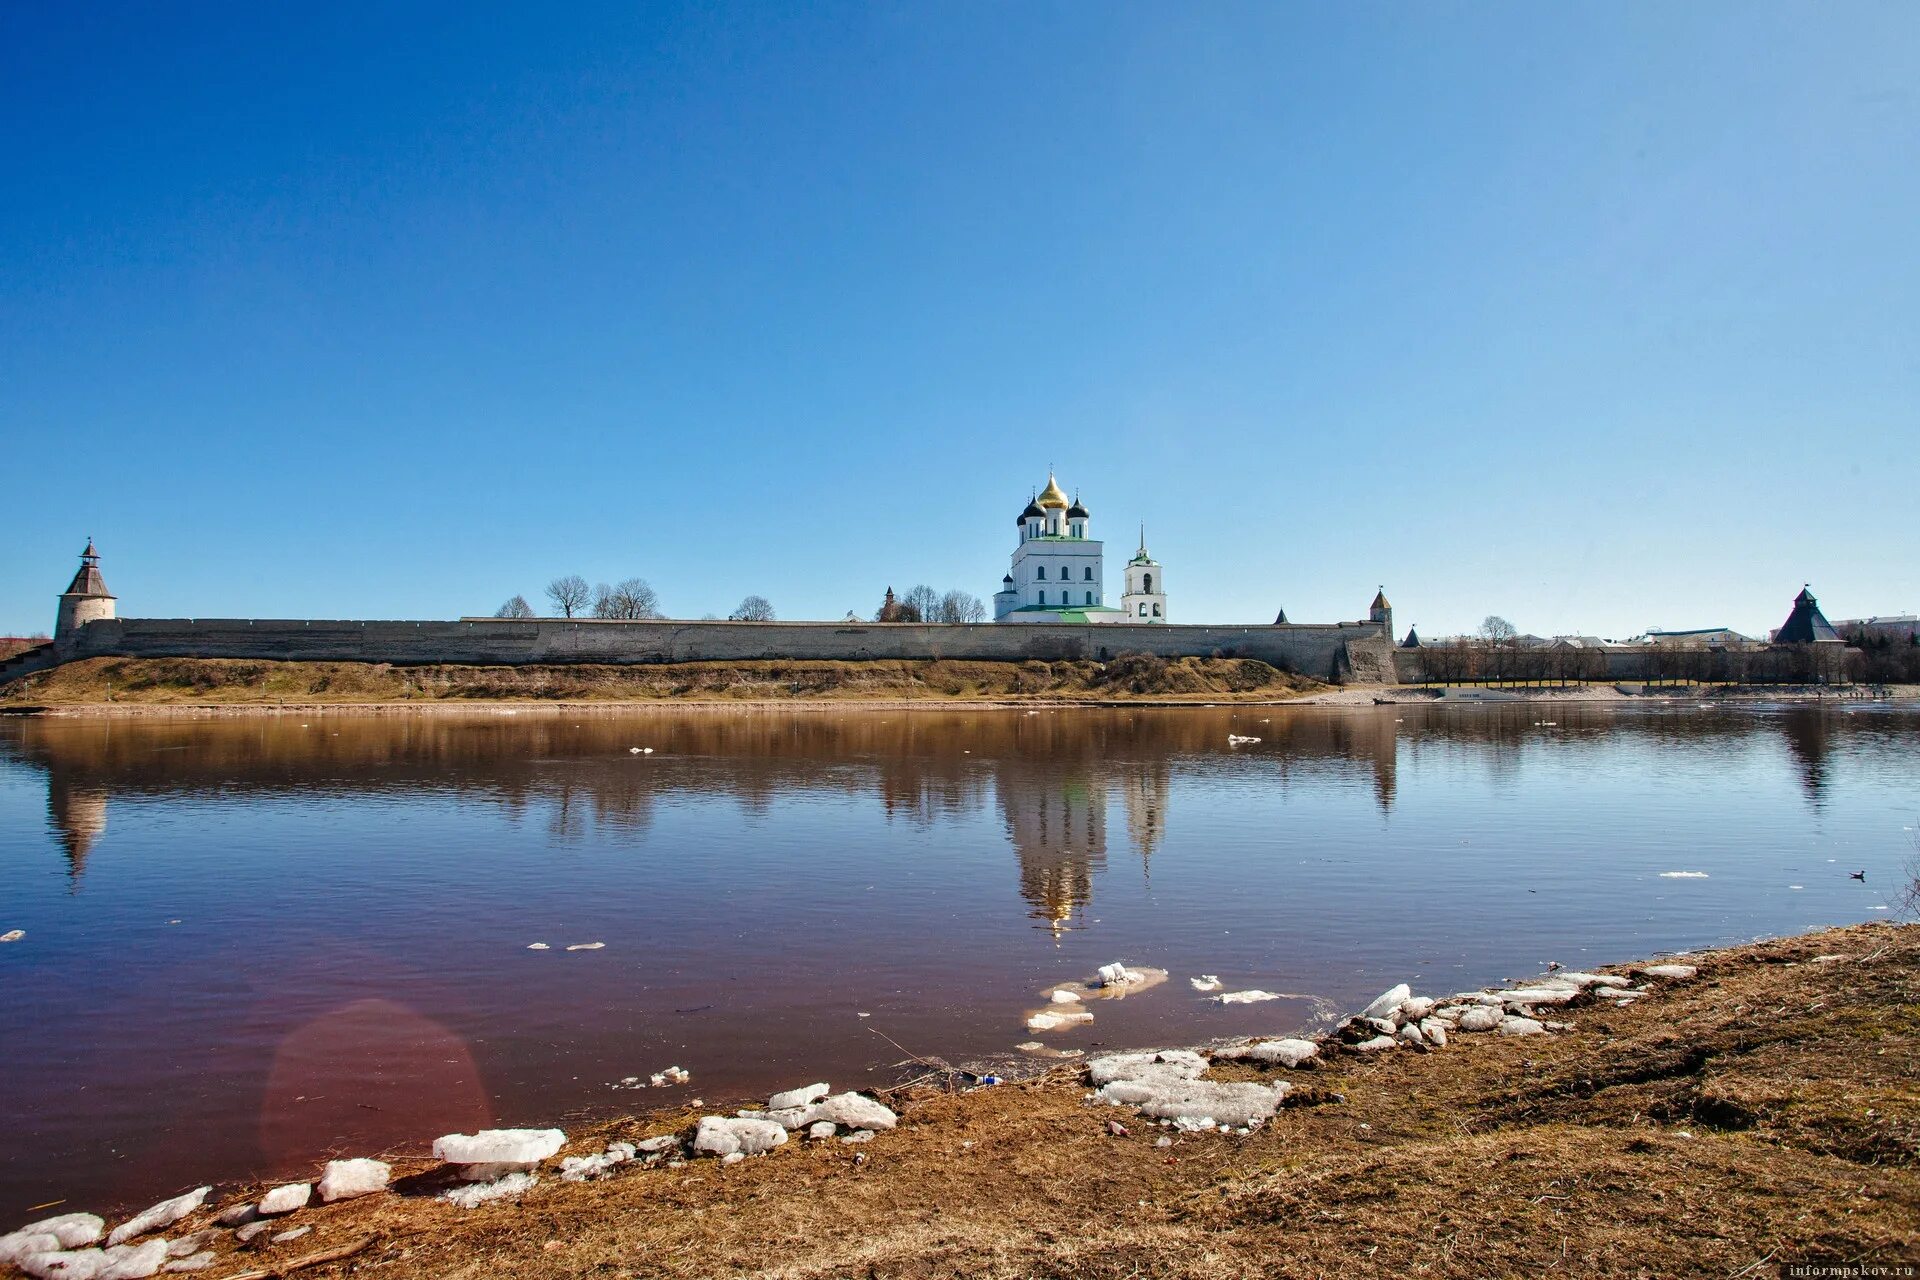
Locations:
(294, 1195)
(1286, 1053)
(1481, 1017)
(1387, 1001)
(132, 1261)
(1672, 972)
(17, 1246)
(494, 1151)
(724, 1136)
(164, 1214)
(798, 1097)
(589, 1168)
(853, 1111)
(1540, 995)
(1197, 1101)
(345, 1179)
(72, 1230)
(476, 1194)
(1162, 1064)
(1511, 1026)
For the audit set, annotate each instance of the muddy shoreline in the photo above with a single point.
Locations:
(1757, 1114)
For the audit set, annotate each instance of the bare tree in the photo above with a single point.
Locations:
(569, 594)
(515, 608)
(960, 606)
(627, 601)
(753, 609)
(1497, 631)
(923, 602)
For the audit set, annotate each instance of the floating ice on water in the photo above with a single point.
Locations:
(1062, 996)
(672, 1075)
(586, 946)
(1206, 982)
(1683, 875)
(538, 946)
(1246, 997)
(1048, 1020)
(1239, 739)
(13, 935)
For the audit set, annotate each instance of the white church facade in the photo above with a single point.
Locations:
(1058, 572)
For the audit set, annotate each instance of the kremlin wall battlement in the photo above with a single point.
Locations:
(1327, 651)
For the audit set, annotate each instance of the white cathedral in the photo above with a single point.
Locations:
(1059, 573)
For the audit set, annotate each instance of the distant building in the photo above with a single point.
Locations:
(1806, 624)
(1898, 627)
(1700, 638)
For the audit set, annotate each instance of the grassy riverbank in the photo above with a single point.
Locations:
(238, 682)
(1760, 1114)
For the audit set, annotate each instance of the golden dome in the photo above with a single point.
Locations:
(1051, 495)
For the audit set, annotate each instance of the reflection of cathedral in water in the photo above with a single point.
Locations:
(1057, 821)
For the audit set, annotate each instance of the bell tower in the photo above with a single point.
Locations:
(1145, 599)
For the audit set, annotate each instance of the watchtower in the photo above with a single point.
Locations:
(85, 600)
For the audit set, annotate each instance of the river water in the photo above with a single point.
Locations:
(251, 943)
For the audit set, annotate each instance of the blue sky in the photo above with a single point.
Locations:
(1596, 316)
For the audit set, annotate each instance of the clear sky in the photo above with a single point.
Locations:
(1596, 316)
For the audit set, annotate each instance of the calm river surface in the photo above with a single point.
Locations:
(253, 942)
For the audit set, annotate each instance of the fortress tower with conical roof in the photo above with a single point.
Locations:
(85, 600)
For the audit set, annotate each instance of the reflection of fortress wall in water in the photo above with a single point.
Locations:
(1054, 774)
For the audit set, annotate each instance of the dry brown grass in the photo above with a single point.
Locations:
(1766, 1112)
(230, 681)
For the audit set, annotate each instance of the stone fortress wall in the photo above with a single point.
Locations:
(1322, 651)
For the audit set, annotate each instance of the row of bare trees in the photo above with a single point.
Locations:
(631, 600)
(924, 604)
